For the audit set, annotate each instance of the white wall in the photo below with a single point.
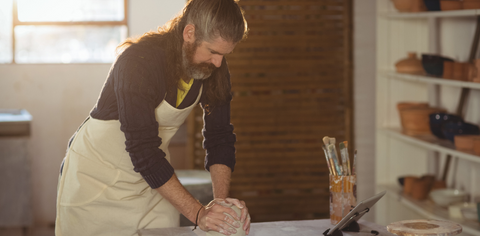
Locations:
(59, 97)
(364, 95)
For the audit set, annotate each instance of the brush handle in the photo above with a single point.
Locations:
(328, 160)
(333, 153)
(354, 172)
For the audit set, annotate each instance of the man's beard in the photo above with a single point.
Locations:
(192, 70)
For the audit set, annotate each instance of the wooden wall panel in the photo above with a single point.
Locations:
(291, 81)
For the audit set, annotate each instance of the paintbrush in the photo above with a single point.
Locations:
(344, 158)
(331, 164)
(333, 155)
(347, 157)
(332, 151)
(354, 163)
(328, 160)
(332, 142)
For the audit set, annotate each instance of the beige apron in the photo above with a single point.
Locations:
(100, 194)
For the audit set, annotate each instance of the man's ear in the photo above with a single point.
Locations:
(189, 33)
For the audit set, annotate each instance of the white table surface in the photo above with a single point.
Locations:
(277, 228)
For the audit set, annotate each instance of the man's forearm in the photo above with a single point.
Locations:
(180, 198)
(220, 180)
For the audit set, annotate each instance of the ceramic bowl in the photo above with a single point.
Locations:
(438, 119)
(433, 64)
(456, 210)
(432, 5)
(446, 197)
(470, 213)
(450, 129)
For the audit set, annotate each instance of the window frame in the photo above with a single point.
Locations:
(16, 22)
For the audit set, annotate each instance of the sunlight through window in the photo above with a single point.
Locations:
(70, 10)
(61, 31)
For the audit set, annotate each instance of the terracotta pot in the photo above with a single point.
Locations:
(438, 184)
(421, 187)
(465, 142)
(471, 4)
(416, 121)
(405, 105)
(403, 5)
(410, 65)
(460, 71)
(448, 69)
(476, 146)
(418, 6)
(408, 184)
(473, 72)
(449, 5)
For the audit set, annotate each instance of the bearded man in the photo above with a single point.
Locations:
(116, 177)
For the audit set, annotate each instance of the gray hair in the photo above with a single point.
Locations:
(214, 18)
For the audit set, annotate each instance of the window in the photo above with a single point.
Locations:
(61, 31)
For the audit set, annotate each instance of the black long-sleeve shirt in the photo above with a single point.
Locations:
(135, 86)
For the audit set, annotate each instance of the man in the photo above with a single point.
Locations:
(116, 177)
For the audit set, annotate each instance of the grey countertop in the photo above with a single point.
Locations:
(278, 228)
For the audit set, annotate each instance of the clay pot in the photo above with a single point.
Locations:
(449, 5)
(448, 69)
(465, 142)
(471, 4)
(406, 105)
(416, 121)
(460, 71)
(410, 65)
(408, 184)
(476, 146)
(403, 5)
(421, 187)
(474, 69)
(418, 6)
(439, 184)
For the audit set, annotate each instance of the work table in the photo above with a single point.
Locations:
(277, 228)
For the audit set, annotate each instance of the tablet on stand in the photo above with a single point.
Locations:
(349, 222)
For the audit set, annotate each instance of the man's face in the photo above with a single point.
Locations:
(200, 60)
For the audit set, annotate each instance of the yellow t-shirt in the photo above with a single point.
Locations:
(182, 93)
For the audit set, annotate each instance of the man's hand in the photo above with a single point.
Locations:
(213, 217)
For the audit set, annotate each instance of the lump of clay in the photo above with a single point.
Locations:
(240, 231)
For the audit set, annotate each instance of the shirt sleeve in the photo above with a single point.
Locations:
(138, 92)
(219, 139)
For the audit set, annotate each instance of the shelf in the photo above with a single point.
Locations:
(431, 14)
(431, 80)
(431, 142)
(429, 209)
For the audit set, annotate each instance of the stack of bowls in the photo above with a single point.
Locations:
(438, 119)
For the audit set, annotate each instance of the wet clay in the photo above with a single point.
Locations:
(240, 231)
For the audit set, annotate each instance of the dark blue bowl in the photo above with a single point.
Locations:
(432, 5)
(438, 119)
(433, 64)
(452, 128)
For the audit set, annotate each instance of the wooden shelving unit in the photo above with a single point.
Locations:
(447, 33)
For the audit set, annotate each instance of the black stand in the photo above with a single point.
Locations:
(350, 225)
